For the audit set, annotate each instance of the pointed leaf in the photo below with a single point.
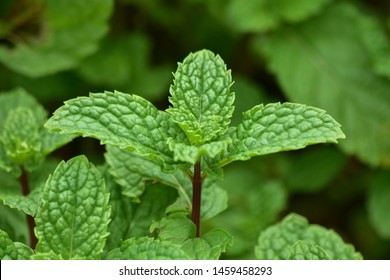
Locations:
(147, 249)
(201, 98)
(280, 127)
(209, 246)
(274, 242)
(73, 219)
(123, 120)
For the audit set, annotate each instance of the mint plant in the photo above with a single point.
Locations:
(163, 167)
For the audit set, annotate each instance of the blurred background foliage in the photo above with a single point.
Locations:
(326, 53)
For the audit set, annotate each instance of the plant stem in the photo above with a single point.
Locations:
(196, 197)
(23, 179)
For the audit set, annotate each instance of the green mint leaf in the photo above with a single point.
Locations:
(303, 175)
(192, 154)
(20, 136)
(10, 192)
(338, 82)
(8, 249)
(16, 98)
(209, 246)
(14, 222)
(280, 127)
(121, 211)
(51, 141)
(378, 202)
(65, 34)
(275, 242)
(123, 120)
(200, 97)
(132, 172)
(24, 140)
(145, 248)
(133, 219)
(176, 229)
(263, 15)
(73, 218)
(152, 208)
(214, 201)
(302, 250)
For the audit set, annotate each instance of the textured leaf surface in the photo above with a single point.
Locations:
(378, 202)
(279, 127)
(66, 34)
(146, 249)
(123, 120)
(302, 250)
(20, 135)
(192, 154)
(73, 219)
(8, 250)
(201, 98)
(23, 138)
(16, 98)
(275, 241)
(209, 246)
(325, 62)
(263, 15)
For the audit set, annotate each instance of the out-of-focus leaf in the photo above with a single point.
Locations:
(274, 242)
(265, 15)
(123, 64)
(66, 33)
(311, 170)
(324, 62)
(378, 202)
